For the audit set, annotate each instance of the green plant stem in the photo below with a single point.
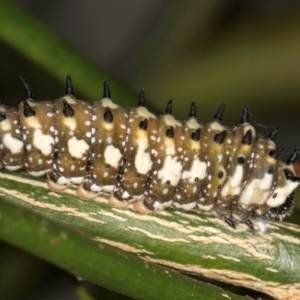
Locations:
(191, 242)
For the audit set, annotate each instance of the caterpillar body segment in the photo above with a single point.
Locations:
(149, 161)
(193, 165)
(108, 137)
(12, 145)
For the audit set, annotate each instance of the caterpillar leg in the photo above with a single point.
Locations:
(115, 202)
(141, 207)
(84, 194)
(54, 186)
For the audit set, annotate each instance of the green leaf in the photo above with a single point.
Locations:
(94, 261)
(191, 242)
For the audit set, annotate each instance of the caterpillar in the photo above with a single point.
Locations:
(149, 161)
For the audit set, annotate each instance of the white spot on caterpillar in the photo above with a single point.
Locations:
(43, 142)
(198, 169)
(169, 120)
(158, 206)
(95, 188)
(187, 206)
(125, 195)
(76, 180)
(5, 125)
(13, 144)
(63, 180)
(107, 102)
(71, 123)
(142, 160)
(112, 156)
(205, 207)
(171, 170)
(282, 193)
(13, 168)
(165, 191)
(77, 148)
(144, 113)
(39, 173)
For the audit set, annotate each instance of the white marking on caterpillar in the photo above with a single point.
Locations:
(171, 170)
(198, 169)
(13, 144)
(43, 142)
(142, 161)
(77, 148)
(205, 207)
(187, 206)
(107, 102)
(5, 125)
(71, 123)
(112, 156)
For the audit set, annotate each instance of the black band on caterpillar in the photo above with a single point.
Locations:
(152, 162)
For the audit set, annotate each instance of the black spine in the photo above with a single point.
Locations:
(289, 175)
(28, 111)
(68, 111)
(169, 107)
(142, 99)
(273, 133)
(291, 160)
(245, 115)
(218, 116)
(247, 139)
(275, 153)
(106, 90)
(219, 137)
(27, 89)
(2, 117)
(69, 86)
(108, 116)
(196, 135)
(144, 124)
(193, 110)
(170, 132)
